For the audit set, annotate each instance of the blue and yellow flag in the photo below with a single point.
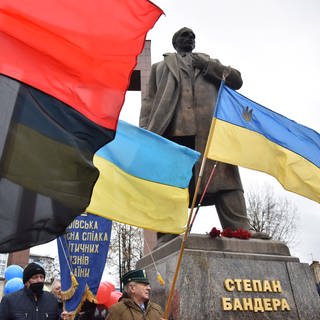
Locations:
(247, 134)
(83, 251)
(143, 180)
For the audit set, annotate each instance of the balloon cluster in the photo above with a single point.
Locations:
(107, 295)
(13, 276)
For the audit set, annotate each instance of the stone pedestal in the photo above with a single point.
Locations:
(231, 279)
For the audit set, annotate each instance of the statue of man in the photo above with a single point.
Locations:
(179, 105)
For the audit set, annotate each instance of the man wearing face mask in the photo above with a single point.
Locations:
(31, 302)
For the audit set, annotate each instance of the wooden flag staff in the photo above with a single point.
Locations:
(174, 280)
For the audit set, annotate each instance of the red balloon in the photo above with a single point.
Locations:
(104, 291)
(113, 298)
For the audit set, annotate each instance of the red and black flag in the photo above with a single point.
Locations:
(65, 68)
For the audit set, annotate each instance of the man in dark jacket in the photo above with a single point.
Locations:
(179, 104)
(135, 303)
(31, 302)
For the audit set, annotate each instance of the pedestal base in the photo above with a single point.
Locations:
(231, 279)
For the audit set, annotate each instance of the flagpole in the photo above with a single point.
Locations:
(182, 247)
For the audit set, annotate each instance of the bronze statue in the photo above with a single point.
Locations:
(179, 105)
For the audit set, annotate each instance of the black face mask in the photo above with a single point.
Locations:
(37, 288)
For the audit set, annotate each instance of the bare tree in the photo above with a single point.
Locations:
(126, 248)
(275, 215)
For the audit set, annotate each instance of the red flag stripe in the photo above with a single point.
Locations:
(81, 52)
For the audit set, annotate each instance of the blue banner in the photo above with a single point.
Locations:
(83, 251)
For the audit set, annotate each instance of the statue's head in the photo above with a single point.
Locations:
(184, 40)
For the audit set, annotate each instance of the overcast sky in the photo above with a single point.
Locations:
(275, 45)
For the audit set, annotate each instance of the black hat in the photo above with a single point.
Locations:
(31, 269)
(136, 276)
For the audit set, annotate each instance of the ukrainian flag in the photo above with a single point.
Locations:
(247, 134)
(143, 180)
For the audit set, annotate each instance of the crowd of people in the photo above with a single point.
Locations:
(32, 302)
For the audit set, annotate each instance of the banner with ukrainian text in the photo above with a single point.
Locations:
(246, 133)
(83, 251)
(143, 180)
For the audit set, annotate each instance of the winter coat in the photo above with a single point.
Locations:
(22, 305)
(162, 98)
(127, 309)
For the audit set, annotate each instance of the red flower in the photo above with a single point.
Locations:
(228, 233)
(214, 233)
(242, 234)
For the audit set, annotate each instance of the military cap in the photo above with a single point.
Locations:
(136, 276)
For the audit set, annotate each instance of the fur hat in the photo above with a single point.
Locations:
(31, 269)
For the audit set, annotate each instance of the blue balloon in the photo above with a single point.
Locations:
(13, 271)
(13, 285)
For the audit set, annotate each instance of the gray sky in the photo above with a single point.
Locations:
(275, 44)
